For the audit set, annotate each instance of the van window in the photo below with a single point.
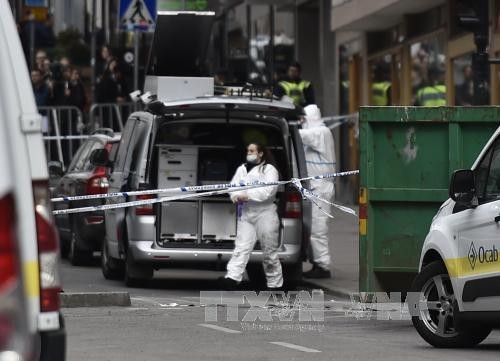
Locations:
(121, 154)
(488, 175)
(493, 182)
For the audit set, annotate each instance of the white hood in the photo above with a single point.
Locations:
(313, 117)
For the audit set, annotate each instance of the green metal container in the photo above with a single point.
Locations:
(407, 155)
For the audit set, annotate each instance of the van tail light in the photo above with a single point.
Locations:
(98, 183)
(293, 207)
(8, 268)
(146, 210)
(48, 249)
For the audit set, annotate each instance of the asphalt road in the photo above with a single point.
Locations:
(168, 322)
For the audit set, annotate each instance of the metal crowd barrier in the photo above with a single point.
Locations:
(62, 132)
(111, 115)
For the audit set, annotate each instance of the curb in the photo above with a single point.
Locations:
(94, 299)
(334, 291)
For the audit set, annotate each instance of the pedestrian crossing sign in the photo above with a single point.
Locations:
(137, 15)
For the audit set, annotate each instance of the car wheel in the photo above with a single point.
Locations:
(136, 275)
(436, 322)
(112, 268)
(76, 255)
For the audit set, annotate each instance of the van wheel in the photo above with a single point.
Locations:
(136, 275)
(437, 323)
(76, 255)
(112, 268)
(257, 276)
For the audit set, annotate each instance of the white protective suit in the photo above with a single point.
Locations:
(259, 221)
(319, 150)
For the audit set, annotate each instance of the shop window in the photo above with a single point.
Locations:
(259, 43)
(428, 72)
(382, 40)
(237, 39)
(284, 40)
(425, 22)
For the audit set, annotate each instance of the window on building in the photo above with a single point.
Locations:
(428, 72)
(237, 39)
(259, 43)
(284, 40)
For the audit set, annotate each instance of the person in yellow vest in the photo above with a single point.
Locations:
(381, 86)
(299, 90)
(433, 94)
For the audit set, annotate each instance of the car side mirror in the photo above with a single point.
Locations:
(463, 188)
(100, 158)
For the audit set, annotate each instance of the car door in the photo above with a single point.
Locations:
(66, 185)
(117, 183)
(478, 233)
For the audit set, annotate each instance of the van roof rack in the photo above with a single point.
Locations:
(263, 92)
(104, 131)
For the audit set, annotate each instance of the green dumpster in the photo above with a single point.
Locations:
(407, 155)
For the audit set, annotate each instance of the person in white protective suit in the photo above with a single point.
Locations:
(258, 219)
(319, 150)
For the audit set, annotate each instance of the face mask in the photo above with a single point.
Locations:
(252, 158)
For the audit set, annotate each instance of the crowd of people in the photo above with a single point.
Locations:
(57, 82)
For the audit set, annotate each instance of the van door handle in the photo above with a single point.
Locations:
(497, 219)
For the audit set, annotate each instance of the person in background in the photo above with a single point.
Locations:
(319, 150)
(381, 86)
(113, 87)
(465, 91)
(103, 63)
(40, 89)
(294, 87)
(433, 93)
(258, 219)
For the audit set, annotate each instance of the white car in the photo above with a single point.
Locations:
(24, 194)
(458, 285)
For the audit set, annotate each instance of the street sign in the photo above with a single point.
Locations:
(137, 15)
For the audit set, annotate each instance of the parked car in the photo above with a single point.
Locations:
(459, 274)
(26, 225)
(82, 233)
(199, 141)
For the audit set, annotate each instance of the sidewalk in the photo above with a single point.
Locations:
(344, 249)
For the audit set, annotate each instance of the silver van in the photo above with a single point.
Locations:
(197, 142)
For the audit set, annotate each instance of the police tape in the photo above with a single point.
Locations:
(208, 187)
(228, 188)
(312, 196)
(64, 137)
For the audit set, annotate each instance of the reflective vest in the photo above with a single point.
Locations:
(380, 94)
(432, 96)
(295, 90)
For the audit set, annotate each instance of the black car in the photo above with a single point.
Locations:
(82, 233)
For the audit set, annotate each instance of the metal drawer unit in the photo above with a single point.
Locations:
(177, 165)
